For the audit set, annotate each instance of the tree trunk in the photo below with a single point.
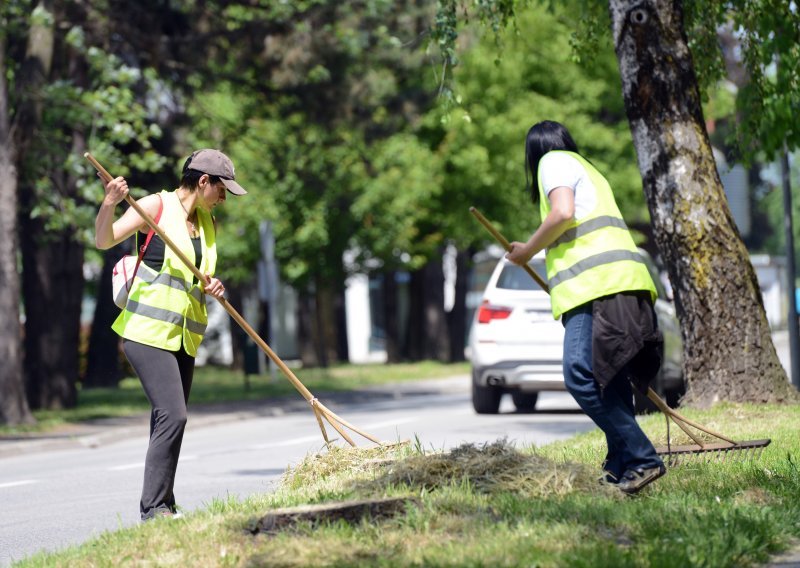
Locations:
(426, 334)
(306, 330)
(326, 323)
(33, 75)
(414, 344)
(53, 289)
(437, 344)
(103, 359)
(728, 350)
(14, 408)
(457, 317)
(52, 260)
(391, 321)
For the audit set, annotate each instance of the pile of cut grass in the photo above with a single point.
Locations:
(496, 505)
(491, 468)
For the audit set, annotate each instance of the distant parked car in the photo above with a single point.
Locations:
(516, 347)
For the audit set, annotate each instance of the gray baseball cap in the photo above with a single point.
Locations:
(215, 163)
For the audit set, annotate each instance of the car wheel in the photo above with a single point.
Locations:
(525, 401)
(486, 400)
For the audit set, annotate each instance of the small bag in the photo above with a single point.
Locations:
(126, 268)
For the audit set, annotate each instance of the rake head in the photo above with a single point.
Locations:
(712, 453)
(702, 452)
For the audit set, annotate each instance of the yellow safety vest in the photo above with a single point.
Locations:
(596, 255)
(167, 309)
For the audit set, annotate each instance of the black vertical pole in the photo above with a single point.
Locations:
(794, 334)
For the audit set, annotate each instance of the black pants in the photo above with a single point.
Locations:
(167, 379)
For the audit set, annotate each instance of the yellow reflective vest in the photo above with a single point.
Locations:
(596, 255)
(167, 309)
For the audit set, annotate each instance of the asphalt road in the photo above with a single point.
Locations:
(62, 491)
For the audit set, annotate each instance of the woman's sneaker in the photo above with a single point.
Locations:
(161, 513)
(634, 480)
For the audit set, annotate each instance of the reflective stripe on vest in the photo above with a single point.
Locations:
(593, 262)
(152, 277)
(167, 309)
(167, 316)
(596, 255)
(588, 227)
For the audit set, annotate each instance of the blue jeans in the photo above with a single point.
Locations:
(610, 408)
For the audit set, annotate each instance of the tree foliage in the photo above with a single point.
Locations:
(400, 222)
(302, 123)
(91, 91)
(768, 32)
(312, 92)
(499, 97)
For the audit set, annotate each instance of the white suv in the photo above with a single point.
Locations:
(516, 346)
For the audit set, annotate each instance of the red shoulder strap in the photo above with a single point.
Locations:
(152, 232)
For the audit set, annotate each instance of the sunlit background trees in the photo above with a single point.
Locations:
(360, 147)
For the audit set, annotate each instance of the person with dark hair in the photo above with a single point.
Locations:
(603, 293)
(165, 317)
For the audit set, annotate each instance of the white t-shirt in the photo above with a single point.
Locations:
(562, 170)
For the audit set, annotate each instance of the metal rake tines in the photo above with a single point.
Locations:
(749, 450)
(701, 452)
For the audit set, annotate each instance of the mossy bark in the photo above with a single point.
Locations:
(728, 349)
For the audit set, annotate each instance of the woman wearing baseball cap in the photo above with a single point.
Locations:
(165, 316)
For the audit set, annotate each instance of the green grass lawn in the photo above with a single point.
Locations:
(218, 385)
(499, 506)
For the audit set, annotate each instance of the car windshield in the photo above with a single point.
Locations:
(514, 277)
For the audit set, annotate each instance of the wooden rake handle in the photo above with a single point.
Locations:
(318, 407)
(679, 419)
(506, 245)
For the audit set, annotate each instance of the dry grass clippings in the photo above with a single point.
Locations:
(492, 468)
